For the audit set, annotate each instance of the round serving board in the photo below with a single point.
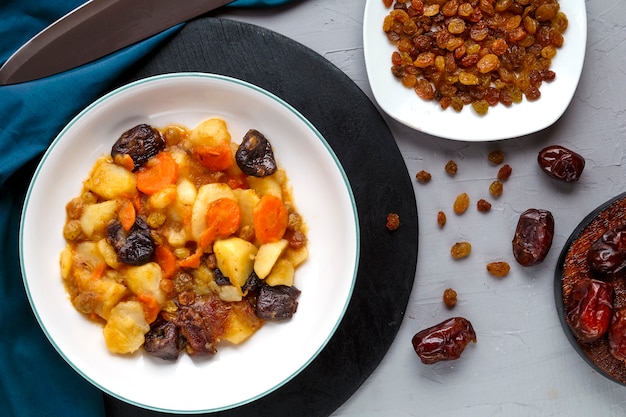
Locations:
(379, 179)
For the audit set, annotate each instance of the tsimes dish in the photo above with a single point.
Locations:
(321, 193)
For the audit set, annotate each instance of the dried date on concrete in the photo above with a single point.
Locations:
(561, 163)
(533, 236)
(444, 341)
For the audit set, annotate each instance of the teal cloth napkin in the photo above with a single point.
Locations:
(34, 379)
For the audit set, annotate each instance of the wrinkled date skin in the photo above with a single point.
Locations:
(589, 309)
(444, 341)
(561, 163)
(617, 334)
(607, 255)
(533, 236)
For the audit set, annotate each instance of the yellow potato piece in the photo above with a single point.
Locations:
(235, 258)
(111, 181)
(267, 256)
(282, 274)
(211, 132)
(96, 217)
(126, 327)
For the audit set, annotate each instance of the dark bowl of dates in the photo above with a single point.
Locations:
(590, 289)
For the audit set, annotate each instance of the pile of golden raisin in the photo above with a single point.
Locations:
(478, 52)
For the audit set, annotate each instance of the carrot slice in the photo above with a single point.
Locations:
(98, 271)
(222, 218)
(215, 158)
(158, 173)
(193, 260)
(125, 161)
(166, 260)
(151, 306)
(127, 215)
(270, 219)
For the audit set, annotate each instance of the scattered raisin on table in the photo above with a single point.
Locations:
(441, 219)
(499, 269)
(461, 203)
(451, 167)
(496, 157)
(393, 221)
(449, 297)
(460, 250)
(483, 205)
(423, 176)
(496, 187)
(504, 172)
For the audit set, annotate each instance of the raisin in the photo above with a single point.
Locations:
(451, 167)
(423, 176)
(499, 269)
(460, 250)
(483, 205)
(393, 221)
(444, 341)
(495, 189)
(533, 236)
(504, 172)
(496, 157)
(449, 297)
(461, 203)
(441, 219)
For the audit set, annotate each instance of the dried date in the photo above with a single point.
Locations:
(617, 334)
(444, 341)
(561, 163)
(589, 309)
(533, 236)
(607, 255)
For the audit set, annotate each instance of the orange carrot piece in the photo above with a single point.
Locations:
(193, 260)
(166, 260)
(224, 215)
(125, 161)
(160, 171)
(98, 271)
(270, 219)
(222, 218)
(237, 181)
(151, 306)
(216, 158)
(127, 215)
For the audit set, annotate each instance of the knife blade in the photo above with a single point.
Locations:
(95, 29)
